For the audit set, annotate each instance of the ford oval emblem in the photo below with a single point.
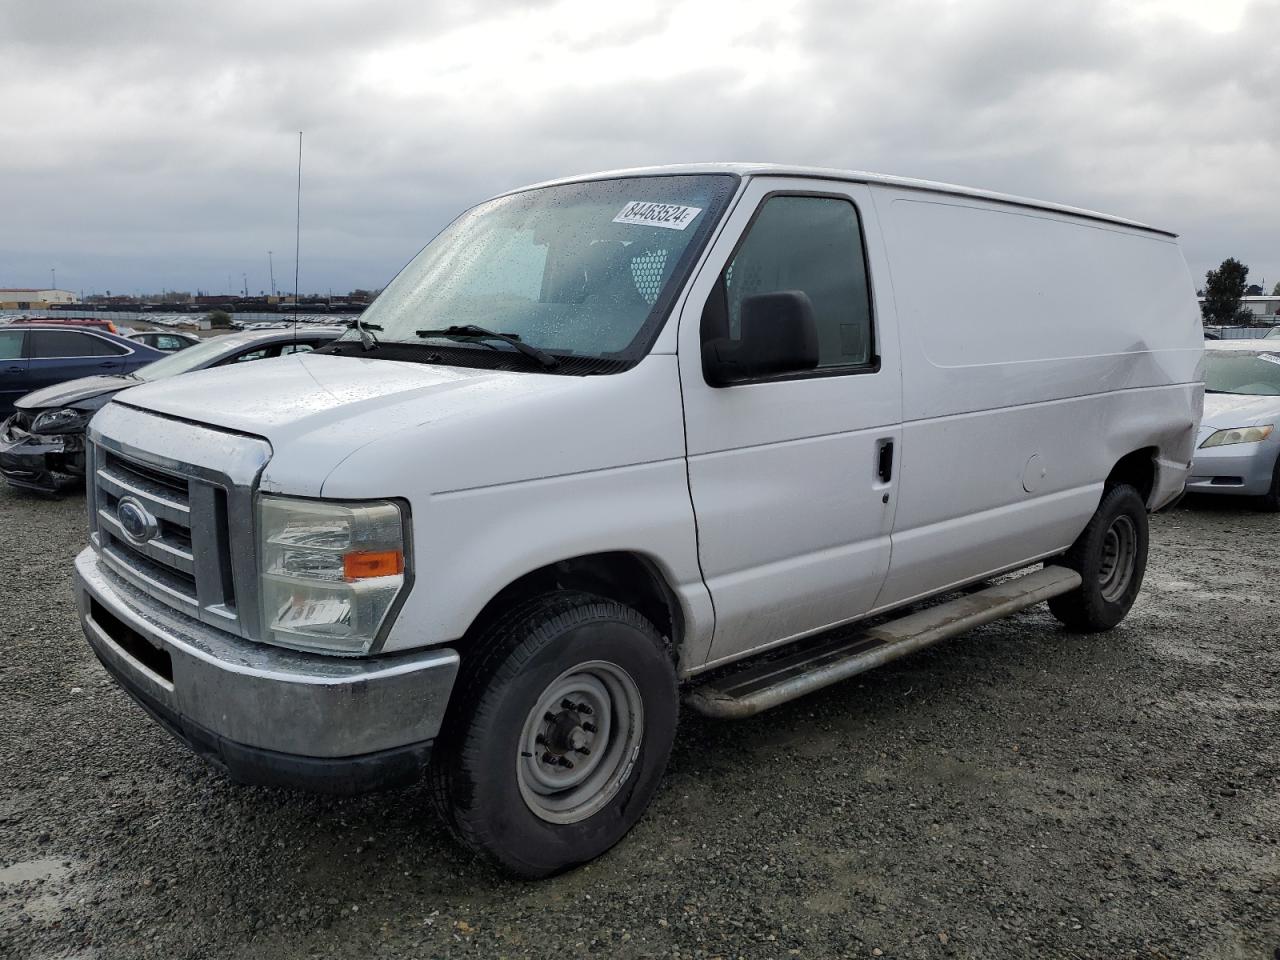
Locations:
(138, 525)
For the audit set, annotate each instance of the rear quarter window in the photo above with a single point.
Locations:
(58, 344)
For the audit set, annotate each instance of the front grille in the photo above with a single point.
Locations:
(190, 544)
(183, 559)
(140, 472)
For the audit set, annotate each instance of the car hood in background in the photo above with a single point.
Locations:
(1222, 410)
(75, 391)
(359, 427)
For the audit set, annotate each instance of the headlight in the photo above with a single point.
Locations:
(330, 572)
(1238, 435)
(65, 420)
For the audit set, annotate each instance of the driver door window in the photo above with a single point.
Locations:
(814, 245)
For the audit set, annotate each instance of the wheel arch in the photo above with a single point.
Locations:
(628, 577)
(1137, 469)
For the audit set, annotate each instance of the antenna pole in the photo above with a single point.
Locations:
(297, 240)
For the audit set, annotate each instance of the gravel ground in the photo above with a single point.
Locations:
(1022, 792)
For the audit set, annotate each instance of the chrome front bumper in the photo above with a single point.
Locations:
(264, 714)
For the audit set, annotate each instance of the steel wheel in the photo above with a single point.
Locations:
(580, 742)
(1119, 550)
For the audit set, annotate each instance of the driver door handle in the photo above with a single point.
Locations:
(884, 461)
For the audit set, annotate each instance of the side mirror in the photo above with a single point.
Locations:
(777, 335)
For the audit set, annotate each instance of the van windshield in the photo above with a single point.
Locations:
(575, 270)
(1255, 373)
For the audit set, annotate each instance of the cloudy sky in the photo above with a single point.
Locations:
(152, 144)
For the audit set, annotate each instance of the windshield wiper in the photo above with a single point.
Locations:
(471, 330)
(367, 339)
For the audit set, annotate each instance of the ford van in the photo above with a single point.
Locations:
(705, 435)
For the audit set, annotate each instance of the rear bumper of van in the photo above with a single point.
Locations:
(1170, 480)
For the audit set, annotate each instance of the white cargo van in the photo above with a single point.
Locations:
(620, 440)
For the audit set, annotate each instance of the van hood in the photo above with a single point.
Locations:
(286, 397)
(393, 425)
(1222, 410)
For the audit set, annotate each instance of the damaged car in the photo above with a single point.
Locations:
(42, 443)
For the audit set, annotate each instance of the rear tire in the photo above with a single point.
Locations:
(559, 729)
(1111, 558)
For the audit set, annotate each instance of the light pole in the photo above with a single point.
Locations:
(271, 269)
(53, 278)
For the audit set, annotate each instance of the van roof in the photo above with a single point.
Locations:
(852, 176)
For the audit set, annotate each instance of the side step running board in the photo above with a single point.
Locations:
(760, 686)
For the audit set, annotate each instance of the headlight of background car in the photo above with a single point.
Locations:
(330, 572)
(1237, 435)
(65, 420)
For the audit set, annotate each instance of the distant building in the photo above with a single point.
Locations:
(1260, 307)
(29, 298)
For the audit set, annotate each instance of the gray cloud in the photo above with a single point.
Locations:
(153, 145)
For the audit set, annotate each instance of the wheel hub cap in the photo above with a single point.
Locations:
(1119, 555)
(579, 742)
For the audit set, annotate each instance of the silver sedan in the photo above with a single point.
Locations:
(1238, 450)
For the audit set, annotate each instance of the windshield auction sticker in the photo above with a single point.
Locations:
(669, 215)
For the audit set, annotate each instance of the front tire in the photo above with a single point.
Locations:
(1111, 558)
(559, 729)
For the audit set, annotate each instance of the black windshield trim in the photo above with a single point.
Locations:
(474, 356)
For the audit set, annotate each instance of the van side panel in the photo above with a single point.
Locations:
(964, 479)
(1002, 306)
(1037, 349)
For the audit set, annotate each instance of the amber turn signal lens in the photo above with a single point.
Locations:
(363, 564)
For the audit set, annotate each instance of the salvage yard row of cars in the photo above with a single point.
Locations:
(76, 370)
(617, 441)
